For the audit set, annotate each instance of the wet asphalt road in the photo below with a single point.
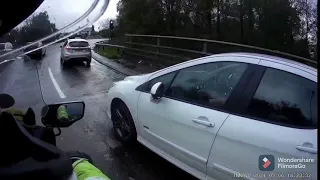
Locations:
(93, 134)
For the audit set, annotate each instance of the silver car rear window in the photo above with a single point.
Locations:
(78, 44)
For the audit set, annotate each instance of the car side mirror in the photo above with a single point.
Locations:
(157, 90)
(62, 114)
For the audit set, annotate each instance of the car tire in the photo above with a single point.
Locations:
(124, 127)
(62, 62)
(88, 64)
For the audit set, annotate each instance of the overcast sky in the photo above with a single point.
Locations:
(111, 12)
(64, 12)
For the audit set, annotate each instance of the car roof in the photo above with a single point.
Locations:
(72, 40)
(275, 59)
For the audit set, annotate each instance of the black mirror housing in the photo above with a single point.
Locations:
(62, 114)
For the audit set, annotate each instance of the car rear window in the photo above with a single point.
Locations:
(78, 44)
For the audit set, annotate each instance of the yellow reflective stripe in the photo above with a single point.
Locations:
(62, 112)
(16, 112)
(87, 171)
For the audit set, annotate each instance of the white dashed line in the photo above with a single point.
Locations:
(56, 84)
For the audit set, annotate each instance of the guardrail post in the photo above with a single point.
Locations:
(158, 44)
(204, 47)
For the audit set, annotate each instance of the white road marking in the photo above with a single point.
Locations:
(56, 84)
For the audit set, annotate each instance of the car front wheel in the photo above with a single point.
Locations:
(123, 124)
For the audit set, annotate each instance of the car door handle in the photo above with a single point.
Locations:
(203, 122)
(307, 149)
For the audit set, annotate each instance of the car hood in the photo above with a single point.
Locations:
(137, 78)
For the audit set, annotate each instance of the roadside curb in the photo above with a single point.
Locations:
(99, 58)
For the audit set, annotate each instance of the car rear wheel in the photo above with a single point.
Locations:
(62, 62)
(88, 63)
(123, 124)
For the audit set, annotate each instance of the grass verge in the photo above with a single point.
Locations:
(110, 52)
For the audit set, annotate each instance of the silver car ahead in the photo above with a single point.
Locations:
(75, 50)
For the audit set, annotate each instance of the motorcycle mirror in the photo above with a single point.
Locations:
(62, 114)
(6, 101)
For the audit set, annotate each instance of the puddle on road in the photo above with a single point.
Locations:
(88, 130)
(147, 165)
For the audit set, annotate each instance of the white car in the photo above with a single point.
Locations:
(75, 50)
(225, 116)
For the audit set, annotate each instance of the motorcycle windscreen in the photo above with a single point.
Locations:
(19, 78)
(53, 22)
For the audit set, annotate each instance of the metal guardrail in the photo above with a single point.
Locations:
(204, 51)
(136, 49)
(173, 48)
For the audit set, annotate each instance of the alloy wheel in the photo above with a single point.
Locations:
(122, 127)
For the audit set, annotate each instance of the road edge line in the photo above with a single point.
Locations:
(56, 85)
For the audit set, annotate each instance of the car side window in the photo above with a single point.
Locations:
(165, 79)
(285, 98)
(207, 84)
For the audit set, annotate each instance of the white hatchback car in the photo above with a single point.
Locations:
(226, 116)
(75, 50)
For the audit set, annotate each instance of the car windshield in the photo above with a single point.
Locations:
(78, 44)
(32, 46)
(19, 78)
(50, 24)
